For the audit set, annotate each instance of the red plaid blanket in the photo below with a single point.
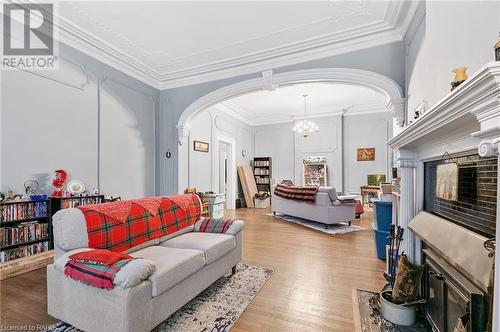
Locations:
(215, 225)
(101, 276)
(107, 229)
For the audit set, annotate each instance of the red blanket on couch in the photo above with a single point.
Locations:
(118, 226)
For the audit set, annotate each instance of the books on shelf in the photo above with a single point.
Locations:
(23, 251)
(261, 171)
(72, 202)
(261, 163)
(261, 180)
(25, 232)
(23, 210)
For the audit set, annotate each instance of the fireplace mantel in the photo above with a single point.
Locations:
(466, 119)
(475, 104)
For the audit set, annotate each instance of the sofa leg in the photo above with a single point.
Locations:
(326, 226)
(233, 270)
(274, 213)
(349, 223)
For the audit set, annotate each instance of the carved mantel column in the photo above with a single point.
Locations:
(490, 148)
(407, 168)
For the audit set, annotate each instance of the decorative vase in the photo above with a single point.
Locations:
(460, 77)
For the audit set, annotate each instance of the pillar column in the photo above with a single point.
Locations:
(491, 148)
(407, 205)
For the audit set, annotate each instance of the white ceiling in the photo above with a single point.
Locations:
(286, 103)
(166, 43)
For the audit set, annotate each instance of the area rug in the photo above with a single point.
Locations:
(216, 309)
(332, 229)
(367, 316)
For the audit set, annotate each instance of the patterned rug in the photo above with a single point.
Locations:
(332, 229)
(216, 309)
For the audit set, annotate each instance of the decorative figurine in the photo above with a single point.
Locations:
(460, 77)
(58, 182)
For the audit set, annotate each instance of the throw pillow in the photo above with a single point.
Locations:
(99, 256)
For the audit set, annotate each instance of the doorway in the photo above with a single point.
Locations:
(225, 168)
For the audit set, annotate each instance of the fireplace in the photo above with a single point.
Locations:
(446, 231)
(457, 273)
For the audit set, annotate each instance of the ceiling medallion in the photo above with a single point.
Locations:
(305, 127)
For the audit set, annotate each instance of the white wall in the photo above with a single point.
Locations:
(288, 149)
(452, 34)
(366, 131)
(51, 120)
(205, 126)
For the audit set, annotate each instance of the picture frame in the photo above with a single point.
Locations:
(200, 146)
(447, 181)
(366, 154)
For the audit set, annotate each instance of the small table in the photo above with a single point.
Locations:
(367, 191)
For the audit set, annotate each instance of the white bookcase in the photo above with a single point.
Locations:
(315, 174)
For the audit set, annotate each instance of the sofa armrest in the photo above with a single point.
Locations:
(322, 199)
(234, 229)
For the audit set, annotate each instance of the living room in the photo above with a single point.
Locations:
(332, 167)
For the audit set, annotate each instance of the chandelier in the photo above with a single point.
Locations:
(305, 127)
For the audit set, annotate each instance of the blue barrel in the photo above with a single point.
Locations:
(383, 215)
(381, 239)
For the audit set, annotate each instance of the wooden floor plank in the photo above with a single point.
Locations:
(310, 289)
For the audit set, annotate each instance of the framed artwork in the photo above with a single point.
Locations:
(200, 146)
(447, 181)
(366, 154)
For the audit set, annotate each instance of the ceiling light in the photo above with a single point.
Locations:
(305, 127)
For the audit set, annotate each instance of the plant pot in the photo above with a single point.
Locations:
(396, 313)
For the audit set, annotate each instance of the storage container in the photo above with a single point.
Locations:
(383, 215)
(381, 241)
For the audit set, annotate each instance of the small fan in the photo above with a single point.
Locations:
(31, 187)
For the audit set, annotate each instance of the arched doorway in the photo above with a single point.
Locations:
(381, 83)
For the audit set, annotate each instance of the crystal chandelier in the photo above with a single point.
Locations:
(305, 127)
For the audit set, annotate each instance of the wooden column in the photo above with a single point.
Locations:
(407, 205)
(489, 148)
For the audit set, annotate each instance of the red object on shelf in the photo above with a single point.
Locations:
(58, 182)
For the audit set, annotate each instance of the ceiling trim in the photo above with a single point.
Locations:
(378, 82)
(391, 29)
(247, 118)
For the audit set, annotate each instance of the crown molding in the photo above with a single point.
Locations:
(392, 29)
(246, 117)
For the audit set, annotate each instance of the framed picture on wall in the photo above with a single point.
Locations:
(366, 154)
(447, 181)
(200, 146)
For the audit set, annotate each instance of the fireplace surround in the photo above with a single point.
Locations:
(466, 121)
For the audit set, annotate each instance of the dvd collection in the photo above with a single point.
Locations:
(23, 251)
(79, 201)
(25, 232)
(23, 210)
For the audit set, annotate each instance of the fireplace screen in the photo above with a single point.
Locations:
(463, 190)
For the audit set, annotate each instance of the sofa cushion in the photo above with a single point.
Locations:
(172, 265)
(70, 229)
(213, 245)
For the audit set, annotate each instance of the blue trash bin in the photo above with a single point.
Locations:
(383, 215)
(381, 239)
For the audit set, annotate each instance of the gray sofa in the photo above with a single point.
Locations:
(186, 263)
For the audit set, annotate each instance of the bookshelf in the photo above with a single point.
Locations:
(25, 229)
(315, 174)
(262, 171)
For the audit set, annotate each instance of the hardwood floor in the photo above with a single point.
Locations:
(310, 289)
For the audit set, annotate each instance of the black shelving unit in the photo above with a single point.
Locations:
(262, 171)
(25, 228)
